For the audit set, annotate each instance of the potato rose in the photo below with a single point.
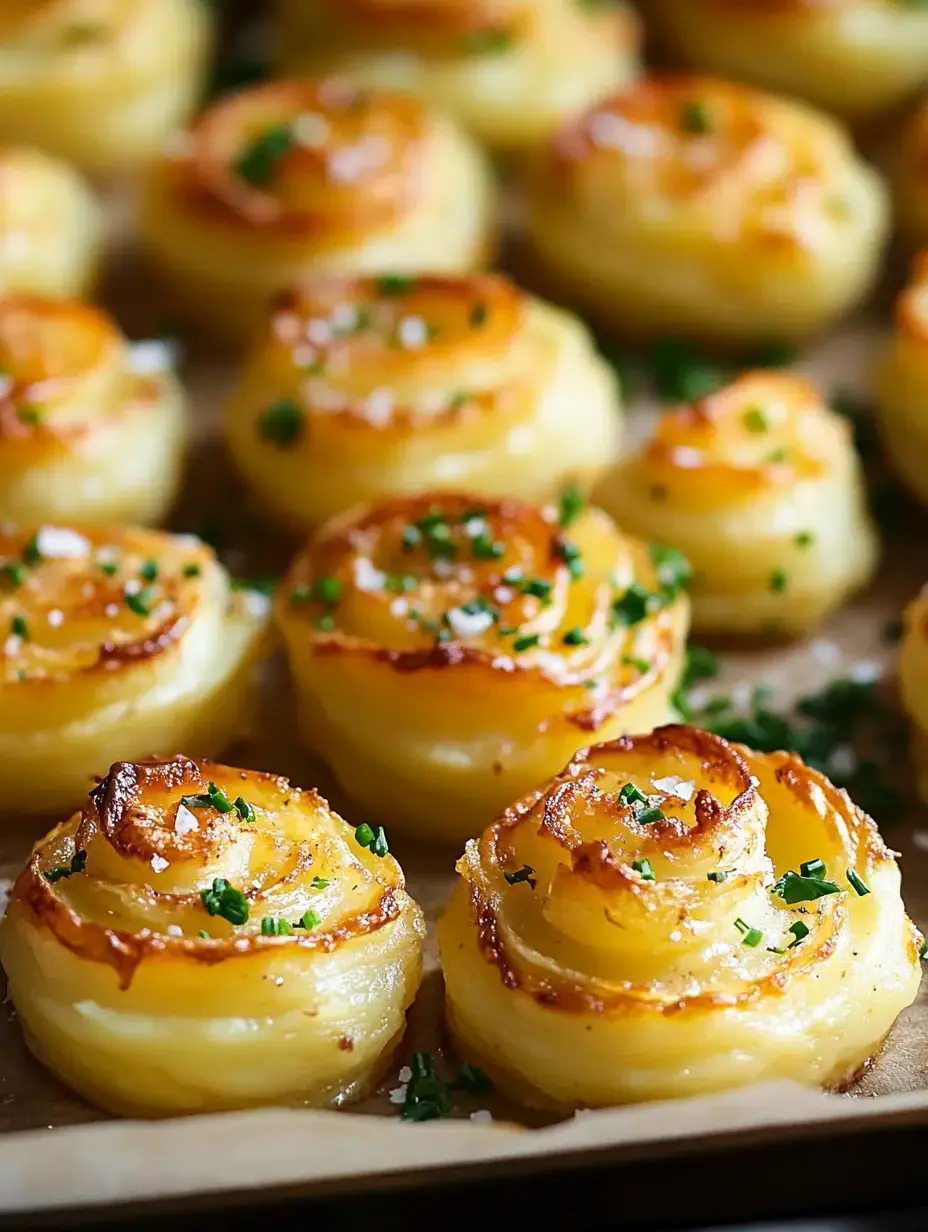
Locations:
(854, 57)
(200, 938)
(292, 179)
(700, 207)
(511, 70)
(451, 652)
(902, 385)
(411, 384)
(114, 640)
(91, 429)
(759, 485)
(673, 915)
(50, 226)
(911, 180)
(100, 83)
(913, 684)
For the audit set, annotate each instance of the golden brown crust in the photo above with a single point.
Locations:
(74, 613)
(714, 835)
(527, 591)
(353, 167)
(912, 304)
(133, 815)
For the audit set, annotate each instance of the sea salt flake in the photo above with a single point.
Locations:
(60, 543)
(467, 624)
(152, 356)
(483, 1116)
(405, 1074)
(673, 785)
(866, 671)
(412, 332)
(367, 577)
(174, 930)
(398, 1094)
(399, 606)
(55, 617)
(185, 821)
(159, 863)
(310, 130)
(828, 654)
(842, 761)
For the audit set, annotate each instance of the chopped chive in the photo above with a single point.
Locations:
(630, 794)
(812, 868)
(484, 547)
(575, 637)
(525, 873)
(478, 315)
(755, 420)
(327, 589)
(857, 882)
(804, 539)
(778, 580)
(800, 931)
(224, 900)
(538, 588)
(257, 164)
(395, 284)
(77, 865)
(149, 570)
(192, 571)
(570, 506)
(751, 936)
(794, 888)
(319, 883)
(19, 628)
(645, 816)
(695, 116)
(213, 797)
(245, 810)
(31, 553)
(529, 642)
(376, 840)
(141, 602)
(569, 553)
(644, 868)
(325, 623)
(282, 423)
(718, 876)
(109, 567)
(204, 934)
(271, 927)
(310, 919)
(14, 574)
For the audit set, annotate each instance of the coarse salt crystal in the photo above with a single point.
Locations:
(318, 332)
(111, 610)
(825, 652)
(613, 132)
(174, 930)
(687, 456)
(474, 527)
(133, 586)
(483, 1116)
(842, 761)
(55, 617)
(159, 863)
(60, 543)
(366, 576)
(399, 606)
(185, 821)
(398, 1095)
(412, 332)
(344, 317)
(378, 405)
(467, 624)
(152, 357)
(503, 594)
(674, 785)
(12, 646)
(866, 672)
(310, 130)
(405, 1074)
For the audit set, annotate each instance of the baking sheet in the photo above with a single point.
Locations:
(276, 1147)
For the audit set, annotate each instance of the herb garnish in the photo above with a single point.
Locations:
(376, 840)
(271, 927)
(525, 873)
(245, 810)
(77, 865)
(224, 900)
(570, 506)
(755, 420)
(808, 884)
(644, 868)
(750, 936)
(14, 574)
(857, 882)
(142, 601)
(395, 284)
(19, 628)
(282, 423)
(427, 1097)
(695, 116)
(213, 797)
(257, 164)
(575, 637)
(630, 794)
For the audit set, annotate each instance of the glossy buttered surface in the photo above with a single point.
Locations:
(366, 388)
(451, 652)
(854, 57)
(100, 83)
(696, 206)
(510, 70)
(50, 226)
(90, 429)
(760, 486)
(297, 178)
(670, 916)
(200, 938)
(902, 385)
(115, 642)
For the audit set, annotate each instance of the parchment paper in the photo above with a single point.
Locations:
(275, 1147)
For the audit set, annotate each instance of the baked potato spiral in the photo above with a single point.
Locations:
(291, 179)
(913, 685)
(510, 70)
(854, 57)
(90, 430)
(674, 915)
(366, 388)
(694, 206)
(114, 640)
(760, 486)
(50, 226)
(911, 180)
(902, 385)
(100, 83)
(451, 652)
(200, 938)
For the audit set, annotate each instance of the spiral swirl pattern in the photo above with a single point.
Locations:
(760, 486)
(364, 388)
(902, 385)
(673, 915)
(86, 434)
(698, 206)
(853, 57)
(200, 937)
(510, 70)
(450, 651)
(100, 83)
(114, 638)
(293, 178)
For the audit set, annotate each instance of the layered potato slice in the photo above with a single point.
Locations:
(450, 651)
(200, 938)
(695, 206)
(510, 70)
(91, 429)
(855, 57)
(373, 387)
(902, 385)
(670, 916)
(100, 83)
(291, 179)
(51, 226)
(760, 486)
(911, 180)
(115, 641)
(913, 685)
